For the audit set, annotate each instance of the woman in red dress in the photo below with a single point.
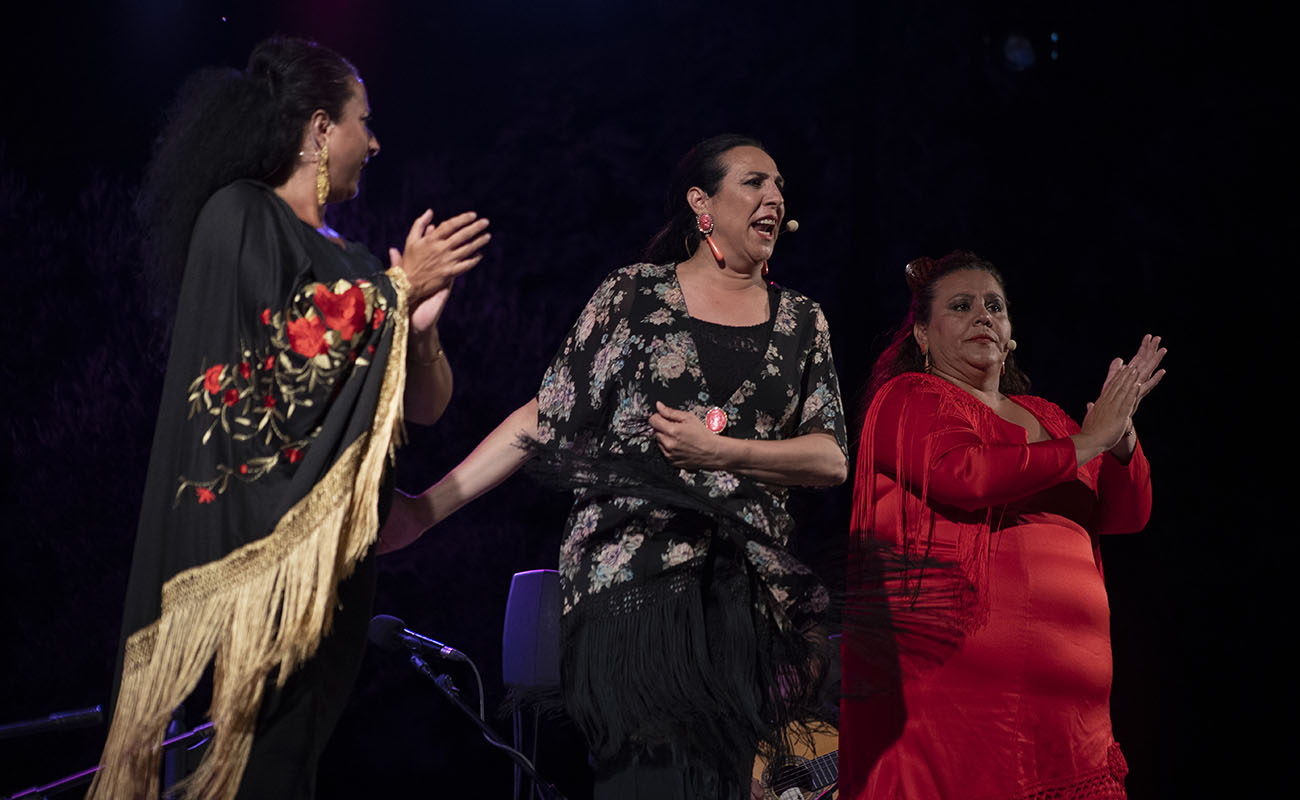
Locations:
(958, 464)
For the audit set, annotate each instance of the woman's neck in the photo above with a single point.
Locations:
(299, 192)
(984, 386)
(703, 265)
(721, 295)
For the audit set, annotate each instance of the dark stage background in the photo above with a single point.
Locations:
(1120, 181)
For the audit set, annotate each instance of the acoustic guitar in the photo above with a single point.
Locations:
(810, 773)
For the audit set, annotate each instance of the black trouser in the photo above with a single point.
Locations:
(294, 723)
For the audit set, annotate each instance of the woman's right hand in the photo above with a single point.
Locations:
(436, 254)
(496, 458)
(1109, 417)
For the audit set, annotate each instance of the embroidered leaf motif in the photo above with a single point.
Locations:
(309, 348)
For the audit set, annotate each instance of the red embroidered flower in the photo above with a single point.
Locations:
(244, 369)
(266, 316)
(212, 378)
(269, 402)
(243, 469)
(307, 336)
(270, 363)
(370, 349)
(345, 313)
(205, 495)
(231, 397)
(293, 454)
(380, 313)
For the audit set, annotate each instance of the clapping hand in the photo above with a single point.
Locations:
(429, 310)
(1110, 417)
(436, 254)
(1145, 361)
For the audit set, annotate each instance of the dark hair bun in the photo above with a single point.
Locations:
(918, 272)
(261, 72)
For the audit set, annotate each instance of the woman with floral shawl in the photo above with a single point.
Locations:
(687, 397)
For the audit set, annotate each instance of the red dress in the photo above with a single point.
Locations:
(1021, 708)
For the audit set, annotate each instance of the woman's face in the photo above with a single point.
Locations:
(351, 145)
(748, 207)
(969, 326)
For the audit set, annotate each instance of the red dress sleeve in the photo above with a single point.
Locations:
(1125, 493)
(927, 439)
(1123, 490)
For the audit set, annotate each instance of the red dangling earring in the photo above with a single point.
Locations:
(764, 269)
(704, 223)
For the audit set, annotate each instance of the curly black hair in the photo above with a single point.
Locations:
(226, 125)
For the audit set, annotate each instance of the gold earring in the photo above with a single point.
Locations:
(323, 175)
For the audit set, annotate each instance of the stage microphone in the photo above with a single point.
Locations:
(791, 225)
(390, 633)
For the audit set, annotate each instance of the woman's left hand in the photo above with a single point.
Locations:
(684, 440)
(1145, 361)
(426, 315)
(436, 254)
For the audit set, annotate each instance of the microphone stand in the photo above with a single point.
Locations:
(87, 775)
(449, 690)
(58, 721)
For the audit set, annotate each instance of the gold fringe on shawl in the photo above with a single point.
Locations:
(262, 607)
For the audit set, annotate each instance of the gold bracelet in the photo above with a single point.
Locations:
(431, 361)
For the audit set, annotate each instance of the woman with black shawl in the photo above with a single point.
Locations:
(292, 354)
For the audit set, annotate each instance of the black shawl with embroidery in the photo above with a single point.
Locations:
(282, 395)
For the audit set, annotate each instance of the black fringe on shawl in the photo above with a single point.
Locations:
(896, 610)
(898, 626)
(692, 660)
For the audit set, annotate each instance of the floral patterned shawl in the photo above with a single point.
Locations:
(632, 345)
(684, 614)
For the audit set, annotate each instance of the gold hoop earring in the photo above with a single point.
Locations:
(323, 175)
